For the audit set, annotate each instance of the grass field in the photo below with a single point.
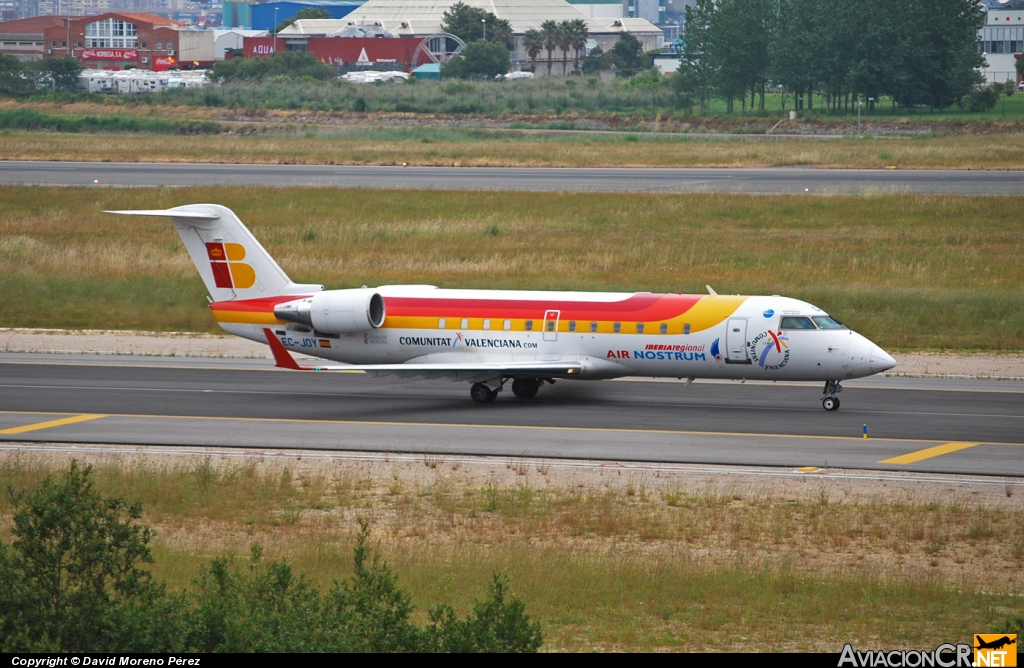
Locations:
(322, 144)
(574, 96)
(908, 271)
(605, 560)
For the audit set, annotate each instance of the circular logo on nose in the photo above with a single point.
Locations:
(769, 313)
(770, 349)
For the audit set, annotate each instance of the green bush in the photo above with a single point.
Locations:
(286, 64)
(479, 60)
(985, 98)
(73, 581)
(30, 119)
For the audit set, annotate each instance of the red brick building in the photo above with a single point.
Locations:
(23, 38)
(396, 52)
(115, 41)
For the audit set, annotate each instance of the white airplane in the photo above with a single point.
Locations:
(488, 337)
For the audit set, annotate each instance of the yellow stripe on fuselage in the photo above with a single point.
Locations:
(705, 314)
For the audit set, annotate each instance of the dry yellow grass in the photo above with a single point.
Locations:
(606, 559)
(909, 271)
(440, 147)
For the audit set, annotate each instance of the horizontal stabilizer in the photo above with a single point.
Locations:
(170, 213)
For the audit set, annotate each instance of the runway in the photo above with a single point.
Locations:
(934, 426)
(759, 181)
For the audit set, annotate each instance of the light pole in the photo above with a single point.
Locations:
(275, 29)
(484, 21)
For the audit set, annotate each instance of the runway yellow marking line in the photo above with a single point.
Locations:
(456, 425)
(928, 453)
(49, 424)
(469, 425)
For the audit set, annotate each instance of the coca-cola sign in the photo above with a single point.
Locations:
(162, 64)
(110, 54)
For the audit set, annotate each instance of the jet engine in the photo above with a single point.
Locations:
(336, 311)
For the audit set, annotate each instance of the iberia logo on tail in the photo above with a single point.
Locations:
(228, 270)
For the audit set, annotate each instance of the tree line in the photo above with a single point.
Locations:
(75, 579)
(917, 52)
(54, 74)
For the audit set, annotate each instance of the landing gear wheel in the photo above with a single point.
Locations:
(830, 403)
(482, 394)
(525, 388)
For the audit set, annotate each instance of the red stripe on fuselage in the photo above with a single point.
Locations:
(259, 305)
(638, 308)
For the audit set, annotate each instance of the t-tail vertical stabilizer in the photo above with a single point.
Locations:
(233, 264)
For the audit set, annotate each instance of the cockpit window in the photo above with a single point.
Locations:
(797, 322)
(827, 322)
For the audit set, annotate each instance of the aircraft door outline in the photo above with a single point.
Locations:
(736, 342)
(551, 319)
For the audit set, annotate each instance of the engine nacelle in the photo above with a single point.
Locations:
(336, 311)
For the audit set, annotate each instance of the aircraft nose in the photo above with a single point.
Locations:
(880, 360)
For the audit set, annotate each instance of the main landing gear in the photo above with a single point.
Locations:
(482, 394)
(524, 388)
(829, 400)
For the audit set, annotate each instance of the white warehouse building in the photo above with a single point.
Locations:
(423, 18)
(1002, 39)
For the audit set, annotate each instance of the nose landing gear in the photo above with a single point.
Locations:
(830, 401)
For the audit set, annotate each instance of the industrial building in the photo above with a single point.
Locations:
(422, 19)
(349, 53)
(25, 39)
(111, 41)
(1002, 39)
(268, 15)
(118, 41)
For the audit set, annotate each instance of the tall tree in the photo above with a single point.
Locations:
(565, 41)
(628, 55)
(948, 66)
(794, 51)
(549, 29)
(500, 31)
(726, 54)
(695, 63)
(533, 43)
(580, 34)
(472, 23)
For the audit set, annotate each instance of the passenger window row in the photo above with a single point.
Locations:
(442, 323)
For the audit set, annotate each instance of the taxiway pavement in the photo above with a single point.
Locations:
(935, 426)
(787, 180)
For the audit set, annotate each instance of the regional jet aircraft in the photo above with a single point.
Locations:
(491, 337)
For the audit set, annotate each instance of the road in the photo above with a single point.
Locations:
(935, 426)
(761, 181)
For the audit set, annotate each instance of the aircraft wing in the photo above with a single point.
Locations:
(454, 371)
